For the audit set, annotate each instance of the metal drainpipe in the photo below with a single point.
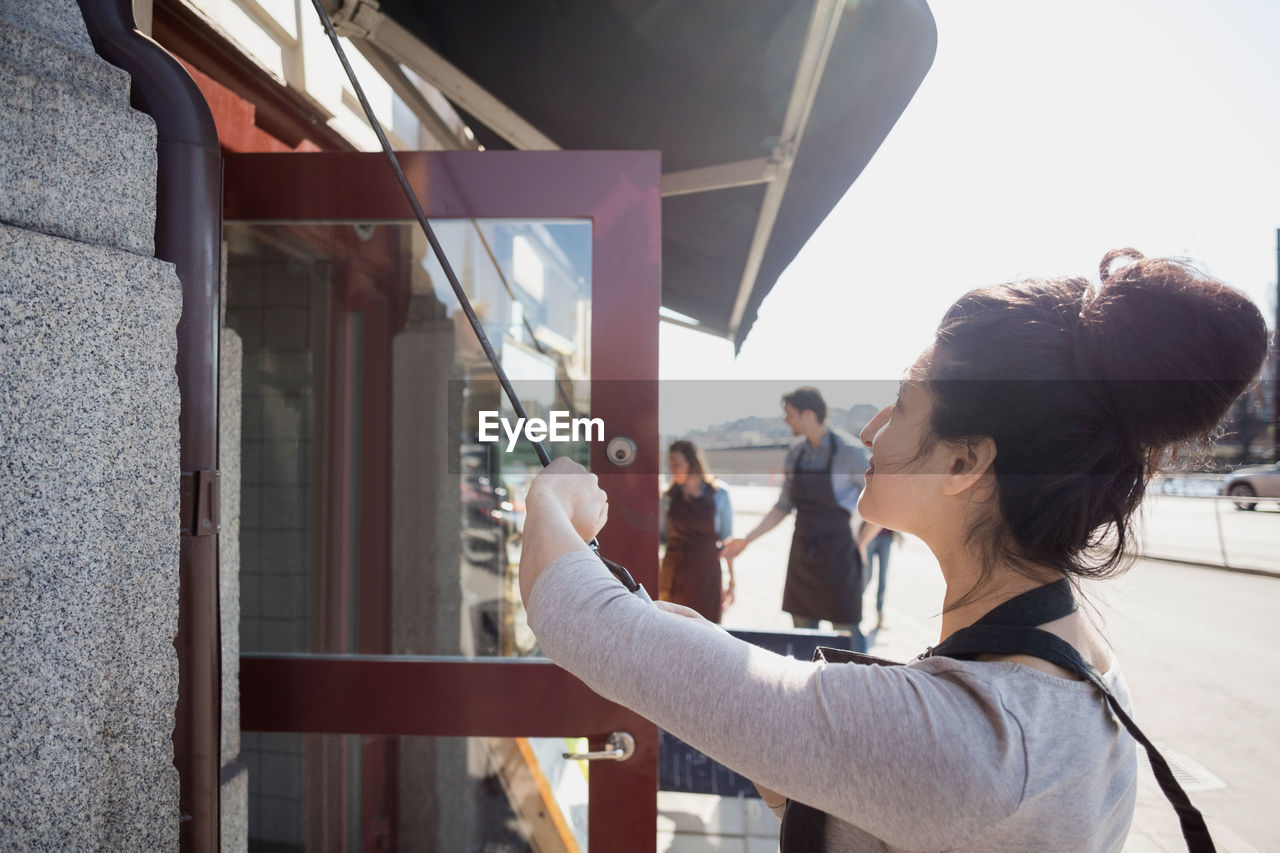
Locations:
(189, 235)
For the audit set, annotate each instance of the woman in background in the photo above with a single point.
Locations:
(696, 518)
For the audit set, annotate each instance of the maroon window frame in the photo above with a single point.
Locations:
(619, 192)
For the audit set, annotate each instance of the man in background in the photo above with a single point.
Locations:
(825, 474)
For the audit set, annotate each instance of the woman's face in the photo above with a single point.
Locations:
(902, 474)
(679, 468)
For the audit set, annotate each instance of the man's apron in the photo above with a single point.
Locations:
(1009, 629)
(690, 573)
(824, 571)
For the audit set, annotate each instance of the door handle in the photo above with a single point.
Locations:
(619, 746)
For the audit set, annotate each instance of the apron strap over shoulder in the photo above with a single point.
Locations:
(1011, 629)
(984, 638)
(1034, 607)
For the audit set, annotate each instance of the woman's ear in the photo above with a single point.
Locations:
(967, 464)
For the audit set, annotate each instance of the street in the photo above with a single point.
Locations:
(1195, 645)
(1201, 529)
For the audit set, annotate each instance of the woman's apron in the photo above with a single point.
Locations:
(824, 571)
(1009, 629)
(690, 573)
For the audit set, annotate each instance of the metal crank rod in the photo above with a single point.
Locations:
(619, 571)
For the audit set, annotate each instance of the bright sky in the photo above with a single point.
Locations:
(1045, 134)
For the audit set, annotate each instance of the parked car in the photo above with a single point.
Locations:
(1254, 481)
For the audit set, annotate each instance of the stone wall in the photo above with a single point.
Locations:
(88, 453)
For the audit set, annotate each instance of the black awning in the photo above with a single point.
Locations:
(706, 82)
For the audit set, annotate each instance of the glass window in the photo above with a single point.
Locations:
(382, 495)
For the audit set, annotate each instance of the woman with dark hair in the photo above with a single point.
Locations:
(1018, 449)
(696, 517)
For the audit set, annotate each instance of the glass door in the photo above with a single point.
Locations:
(392, 695)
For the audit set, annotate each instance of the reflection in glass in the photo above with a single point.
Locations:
(508, 794)
(529, 284)
(375, 519)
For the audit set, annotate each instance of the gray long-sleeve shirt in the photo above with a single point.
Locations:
(940, 754)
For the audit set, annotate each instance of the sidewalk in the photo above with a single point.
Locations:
(693, 823)
(701, 823)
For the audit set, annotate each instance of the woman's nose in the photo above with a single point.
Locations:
(869, 431)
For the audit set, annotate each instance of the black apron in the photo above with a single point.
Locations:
(824, 571)
(1010, 629)
(690, 572)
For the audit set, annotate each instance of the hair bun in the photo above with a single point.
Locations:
(1172, 346)
(1104, 268)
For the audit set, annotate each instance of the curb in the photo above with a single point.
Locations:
(1240, 570)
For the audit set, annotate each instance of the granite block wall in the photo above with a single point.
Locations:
(88, 453)
(70, 160)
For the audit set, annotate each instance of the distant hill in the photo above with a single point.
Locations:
(746, 432)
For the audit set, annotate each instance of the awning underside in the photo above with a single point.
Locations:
(765, 112)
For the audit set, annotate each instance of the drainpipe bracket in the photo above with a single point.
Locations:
(200, 500)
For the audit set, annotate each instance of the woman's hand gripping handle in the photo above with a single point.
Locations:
(566, 509)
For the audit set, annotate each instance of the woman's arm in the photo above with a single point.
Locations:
(724, 529)
(772, 519)
(724, 514)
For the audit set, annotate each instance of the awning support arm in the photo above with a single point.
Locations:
(823, 24)
(363, 21)
(723, 176)
(413, 97)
